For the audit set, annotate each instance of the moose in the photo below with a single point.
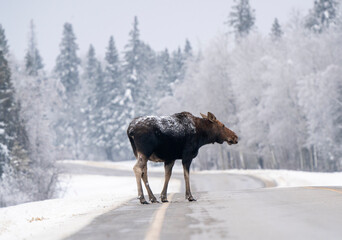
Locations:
(168, 138)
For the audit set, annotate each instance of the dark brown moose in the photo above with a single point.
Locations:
(167, 138)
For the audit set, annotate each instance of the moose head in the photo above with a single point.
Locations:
(222, 133)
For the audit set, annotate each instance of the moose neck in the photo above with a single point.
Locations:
(204, 131)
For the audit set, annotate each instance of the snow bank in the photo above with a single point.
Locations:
(84, 198)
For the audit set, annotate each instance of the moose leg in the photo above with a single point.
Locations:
(168, 171)
(138, 171)
(186, 169)
(152, 198)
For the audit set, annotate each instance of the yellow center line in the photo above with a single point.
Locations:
(325, 188)
(157, 223)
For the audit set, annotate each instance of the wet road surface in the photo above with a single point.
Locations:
(228, 206)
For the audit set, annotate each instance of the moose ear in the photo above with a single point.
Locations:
(211, 117)
(203, 116)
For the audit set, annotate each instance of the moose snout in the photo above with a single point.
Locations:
(233, 140)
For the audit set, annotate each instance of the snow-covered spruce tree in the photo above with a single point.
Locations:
(112, 111)
(241, 18)
(187, 50)
(164, 85)
(177, 66)
(92, 87)
(138, 58)
(276, 32)
(3, 42)
(322, 15)
(13, 142)
(68, 125)
(6, 116)
(33, 60)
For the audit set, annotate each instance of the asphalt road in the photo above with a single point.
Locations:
(227, 207)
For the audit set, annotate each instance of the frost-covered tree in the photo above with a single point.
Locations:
(322, 15)
(139, 62)
(17, 180)
(68, 125)
(276, 32)
(164, 85)
(241, 18)
(7, 106)
(177, 66)
(33, 60)
(12, 131)
(113, 65)
(187, 50)
(92, 89)
(3, 41)
(67, 62)
(113, 111)
(132, 68)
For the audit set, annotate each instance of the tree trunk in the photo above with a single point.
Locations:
(109, 153)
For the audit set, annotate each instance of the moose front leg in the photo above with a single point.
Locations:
(168, 171)
(186, 169)
(138, 171)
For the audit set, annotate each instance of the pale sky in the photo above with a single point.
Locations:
(162, 23)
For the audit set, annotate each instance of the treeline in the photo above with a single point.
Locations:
(80, 110)
(281, 93)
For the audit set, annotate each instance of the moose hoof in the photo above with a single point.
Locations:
(154, 200)
(191, 199)
(163, 198)
(142, 200)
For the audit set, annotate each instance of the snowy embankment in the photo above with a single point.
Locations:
(84, 197)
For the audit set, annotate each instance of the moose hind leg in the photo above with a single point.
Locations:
(186, 169)
(152, 198)
(168, 171)
(138, 171)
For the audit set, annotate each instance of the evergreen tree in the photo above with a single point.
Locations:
(3, 42)
(132, 67)
(67, 61)
(139, 63)
(322, 15)
(242, 18)
(165, 79)
(276, 32)
(112, 112)
(112, 59)
(177, 65)
(33, 60)
(68, 125)
(92, 84)
(187, 50)
(12, 132)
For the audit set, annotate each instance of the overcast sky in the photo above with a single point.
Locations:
(162, 23)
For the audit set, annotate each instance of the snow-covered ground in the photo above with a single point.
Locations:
(84, 197)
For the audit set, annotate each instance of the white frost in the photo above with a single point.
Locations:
(169, 124)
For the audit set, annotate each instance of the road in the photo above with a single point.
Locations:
(228, 206)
